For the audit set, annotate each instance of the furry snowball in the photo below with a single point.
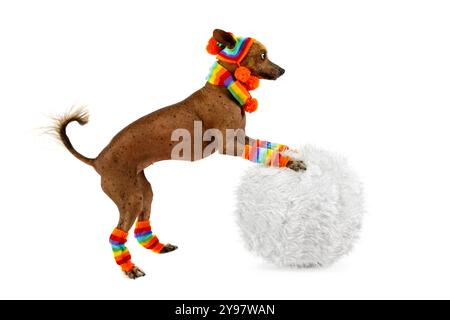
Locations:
(301, 219)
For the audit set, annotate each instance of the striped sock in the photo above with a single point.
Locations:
(267, 153)
(144, 235)
(122, 256)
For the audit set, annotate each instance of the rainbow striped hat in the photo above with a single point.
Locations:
(239, 51)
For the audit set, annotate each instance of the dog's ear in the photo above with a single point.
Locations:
(224, 37)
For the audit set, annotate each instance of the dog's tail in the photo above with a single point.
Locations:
(80, 115)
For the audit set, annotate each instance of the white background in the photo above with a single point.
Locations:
(369, 79)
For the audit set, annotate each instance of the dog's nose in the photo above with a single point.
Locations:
(282, 71)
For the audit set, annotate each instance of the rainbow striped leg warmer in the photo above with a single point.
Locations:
(122, 256)
(267, 153)
(144, 235)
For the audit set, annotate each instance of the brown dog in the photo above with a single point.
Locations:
(148, 140)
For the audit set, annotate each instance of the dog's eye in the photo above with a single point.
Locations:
(263, 56)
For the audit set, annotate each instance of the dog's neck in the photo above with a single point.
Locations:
(231, 67)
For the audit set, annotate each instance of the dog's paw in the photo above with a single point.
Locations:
(168, 248)
(135, 273)
(296, 165)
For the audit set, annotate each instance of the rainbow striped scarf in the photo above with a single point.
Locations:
(220, 76)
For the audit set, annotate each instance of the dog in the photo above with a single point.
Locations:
(148, 140)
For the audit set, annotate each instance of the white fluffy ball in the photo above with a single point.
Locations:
(301, 219)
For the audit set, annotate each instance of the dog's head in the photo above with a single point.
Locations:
(256, 58)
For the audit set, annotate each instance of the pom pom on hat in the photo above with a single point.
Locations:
(214, 47)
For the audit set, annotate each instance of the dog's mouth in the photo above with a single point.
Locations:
(272, 74)
(270, 77)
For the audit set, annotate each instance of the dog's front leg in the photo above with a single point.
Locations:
(264, 152)
(270, 154)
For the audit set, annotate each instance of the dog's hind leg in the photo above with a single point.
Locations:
(124, 190)
(143, 231)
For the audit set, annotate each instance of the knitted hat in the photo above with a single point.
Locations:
(235, 55)
(239, 51)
